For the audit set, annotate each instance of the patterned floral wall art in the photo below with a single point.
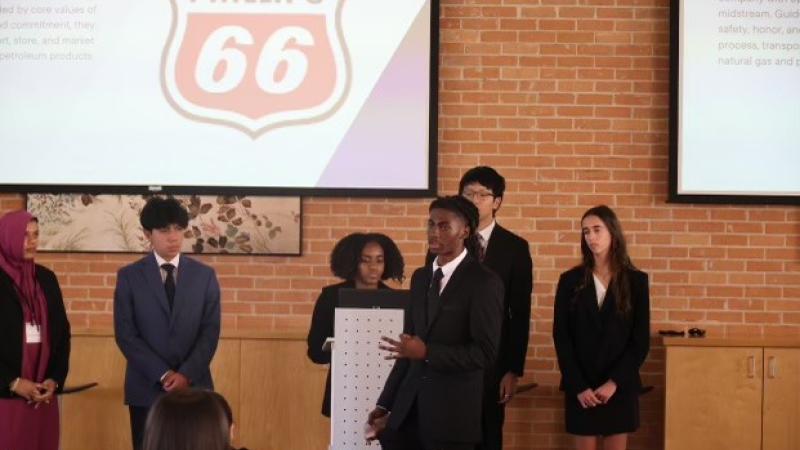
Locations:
(217, 224)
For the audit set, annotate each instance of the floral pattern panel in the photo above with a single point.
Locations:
(217, 224)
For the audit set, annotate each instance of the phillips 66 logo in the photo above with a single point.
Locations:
(255, 65)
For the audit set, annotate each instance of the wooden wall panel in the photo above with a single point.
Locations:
(274, 391)
(97, 418)
(285, 415)
(226, 373)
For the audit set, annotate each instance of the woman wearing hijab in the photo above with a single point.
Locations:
(34, 330)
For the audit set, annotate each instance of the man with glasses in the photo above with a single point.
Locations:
(508, 255)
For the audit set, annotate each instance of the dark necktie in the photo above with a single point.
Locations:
(433, 293)
(169, 283)
(482, 250)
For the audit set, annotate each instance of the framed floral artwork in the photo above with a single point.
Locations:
(251, 225)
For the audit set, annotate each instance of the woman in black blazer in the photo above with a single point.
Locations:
(601, 330)
(364, 261)
(34, 332)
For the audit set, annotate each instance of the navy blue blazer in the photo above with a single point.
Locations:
(155, 339)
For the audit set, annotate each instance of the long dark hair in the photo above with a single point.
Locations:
(469, 213)
(187, 419)
(618, 260)
(226, 408)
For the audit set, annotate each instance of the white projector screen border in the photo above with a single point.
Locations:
(425, 178)
(676, 193)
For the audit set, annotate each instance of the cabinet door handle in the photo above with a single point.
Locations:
(751, 367)
(772, 367)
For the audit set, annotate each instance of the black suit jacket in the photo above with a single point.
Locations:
(11, 330)
(321, 328)
(509, 256)
(597, 344)
(462, 341)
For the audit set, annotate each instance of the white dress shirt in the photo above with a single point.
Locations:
(449, 268)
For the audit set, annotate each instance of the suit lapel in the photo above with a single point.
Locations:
(421, 312)
(152, 275)
(494, 248)
(450, 288)
(609, 306)
(182, 287)
(589, 297)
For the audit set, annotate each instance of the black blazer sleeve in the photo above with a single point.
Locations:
(11, 330)
(7, 375)
(59, 328)
(321, 325)
(519, 288)
(10, 357)
(401, 366)
(626, 369)
(573, 380)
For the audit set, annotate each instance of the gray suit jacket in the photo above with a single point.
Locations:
(155, 339)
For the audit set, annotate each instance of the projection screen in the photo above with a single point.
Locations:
(320, 97)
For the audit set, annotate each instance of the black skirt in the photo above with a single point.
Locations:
(619, 415)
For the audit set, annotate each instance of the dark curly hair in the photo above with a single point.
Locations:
(468, 212)
(346, 255)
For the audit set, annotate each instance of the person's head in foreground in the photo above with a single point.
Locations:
(187, 419)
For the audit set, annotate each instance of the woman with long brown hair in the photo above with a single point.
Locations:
(601, 330)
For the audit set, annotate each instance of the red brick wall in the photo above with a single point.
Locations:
(569, 100)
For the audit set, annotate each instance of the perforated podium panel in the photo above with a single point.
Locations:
(359, 371)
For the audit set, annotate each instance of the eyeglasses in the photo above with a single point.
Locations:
(477, 195)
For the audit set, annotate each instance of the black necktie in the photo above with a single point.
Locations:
(169, 283)
(433, 293)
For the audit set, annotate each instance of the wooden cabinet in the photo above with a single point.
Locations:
(781, 426)
(732, 395)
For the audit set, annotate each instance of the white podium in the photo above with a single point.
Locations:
(359, 369)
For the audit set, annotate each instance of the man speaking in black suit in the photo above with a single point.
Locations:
(507, 255)
(432, 399)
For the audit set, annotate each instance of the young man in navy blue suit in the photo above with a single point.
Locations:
(507, 255)
(166, 315)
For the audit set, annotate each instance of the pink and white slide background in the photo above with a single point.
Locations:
(109, 122)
